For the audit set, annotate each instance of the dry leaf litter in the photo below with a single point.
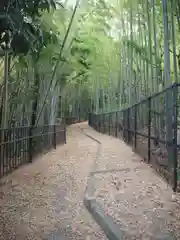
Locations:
(137, 198)
(46, 196)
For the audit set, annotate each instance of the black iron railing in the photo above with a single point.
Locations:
(151, 128)
(74, 119)
(21, 145)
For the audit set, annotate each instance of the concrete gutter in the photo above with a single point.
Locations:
(105, 221)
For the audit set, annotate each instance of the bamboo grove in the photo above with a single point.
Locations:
(68, 58)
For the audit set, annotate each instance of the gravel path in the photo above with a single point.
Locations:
(46, 197)
(137, 198)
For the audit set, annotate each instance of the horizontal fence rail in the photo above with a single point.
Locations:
(22, 144)
(72, 120)
(152, 128)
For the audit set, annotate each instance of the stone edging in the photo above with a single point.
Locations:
(112, 231)
(106, 222)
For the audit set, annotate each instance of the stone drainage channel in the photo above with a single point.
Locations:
(106, 222)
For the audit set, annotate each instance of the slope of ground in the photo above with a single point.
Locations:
(139, 200)
(46, 197)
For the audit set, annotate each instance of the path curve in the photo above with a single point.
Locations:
(47, 196)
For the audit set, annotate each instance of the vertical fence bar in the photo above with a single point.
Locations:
(3, 153)
(14, 146)
(128, 126)
(99, 123)
(116, 124)
(96, 117)
(54, 136)
(30, 145)
(175, 114)
(135, 126)
(89, 119)
(79, 117)
(1, 149)
(94, 121)
(123, 125)
(149, 129)
(104, 123)
(26, 137)
(65, 141)
(109, 124)
(21, 144)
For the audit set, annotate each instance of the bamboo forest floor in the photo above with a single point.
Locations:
(45, 199)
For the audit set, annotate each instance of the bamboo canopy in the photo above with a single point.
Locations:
(60, 59)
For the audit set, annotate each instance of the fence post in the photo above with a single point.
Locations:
(175, 114)
(54, 135)
(116, 124)
(30, 150)
(149, 129)
(94, 121)
(65, 134)
(135, 126)
(99, 123)
(128, 127)
(109, 124)
(104, 122)
(123, 124)
(79, 118)
(89, 119)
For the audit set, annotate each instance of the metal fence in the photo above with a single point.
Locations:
(72, 120)
(152, 128)
(21, 145)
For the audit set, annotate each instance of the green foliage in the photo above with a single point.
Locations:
(112, 56)
(19, 23)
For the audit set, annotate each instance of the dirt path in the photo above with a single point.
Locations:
(46, 197)
(138, 199)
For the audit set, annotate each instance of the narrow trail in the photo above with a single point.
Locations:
(133, 194)
(45, 199)
(47, 196)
